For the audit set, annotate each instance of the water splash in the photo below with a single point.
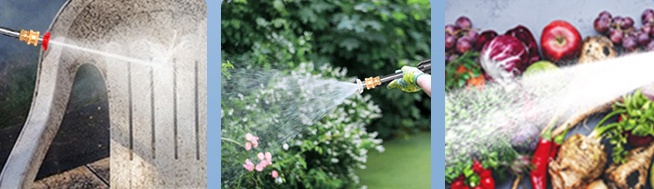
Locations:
(101, 53)
(276, 107)
(497, 116)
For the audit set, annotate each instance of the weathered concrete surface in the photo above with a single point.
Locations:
(78, 178)
(157, 110)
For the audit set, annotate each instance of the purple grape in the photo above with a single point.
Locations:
(617, 21)
(605, 14)
(602, 24)
(451, 29)
(616, 36)
(642, 38)
(464, 23)
(647, 29)
(650, 46)
(450, 41)
(627, 22)
(629, 43)
(649, 19)
(647, 16)
(474, 36)
(463, 44)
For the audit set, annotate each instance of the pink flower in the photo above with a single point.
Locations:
(248, 146)
(260, 156)
(260, 167)
(255, 143)
(268, 156)
(248, 165)
(253, 140)
(274, 174)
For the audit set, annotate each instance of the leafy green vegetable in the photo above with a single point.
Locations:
(456, 80)
(637, 114)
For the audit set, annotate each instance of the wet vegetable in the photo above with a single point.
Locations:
(541, 160)
(504, 58)
(523, 34)
(636, 124)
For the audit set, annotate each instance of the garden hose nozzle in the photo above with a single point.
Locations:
(372, 82)
(30, 37)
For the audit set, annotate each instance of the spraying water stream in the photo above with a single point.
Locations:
(514, 115)
(276, 106)
(101, 53)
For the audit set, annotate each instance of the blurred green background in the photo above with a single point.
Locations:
(369, 38)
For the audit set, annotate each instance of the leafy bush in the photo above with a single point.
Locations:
(325, 154)
(370, 38)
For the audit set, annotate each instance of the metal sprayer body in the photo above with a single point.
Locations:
(30, 37)
(372, 82)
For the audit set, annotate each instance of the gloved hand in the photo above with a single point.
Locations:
(408, 83)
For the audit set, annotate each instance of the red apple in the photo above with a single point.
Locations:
(560, 41)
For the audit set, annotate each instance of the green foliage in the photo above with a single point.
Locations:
(370, 38)
(324, 155)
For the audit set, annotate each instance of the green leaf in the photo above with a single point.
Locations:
(640, 130)
(350, 44)
(398, 16)
(262, 22)
(278, 4)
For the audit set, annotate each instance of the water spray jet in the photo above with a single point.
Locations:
(30, 37)
(372, 82)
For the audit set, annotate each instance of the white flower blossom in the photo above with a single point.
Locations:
(380, 148)
(285, 146)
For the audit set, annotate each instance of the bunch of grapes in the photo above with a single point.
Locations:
(622, 32)
(460, 38)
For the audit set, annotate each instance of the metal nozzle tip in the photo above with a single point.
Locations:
(360, 86)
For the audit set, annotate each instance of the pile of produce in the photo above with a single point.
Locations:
(617, 154)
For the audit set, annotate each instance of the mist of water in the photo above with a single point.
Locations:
(274, 106)
(500, 116)
(80, 48)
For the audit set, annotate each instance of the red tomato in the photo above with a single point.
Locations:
(457, 184)
(477, 167)
(485, 174)
(488, 183)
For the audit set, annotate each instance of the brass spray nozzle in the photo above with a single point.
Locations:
(372, 82)
(31, 37)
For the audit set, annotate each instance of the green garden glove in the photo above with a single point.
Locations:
(408, 83)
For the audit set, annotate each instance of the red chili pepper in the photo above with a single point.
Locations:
(540, 161)
(558, 141)
(478, 187)
(465, 187)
